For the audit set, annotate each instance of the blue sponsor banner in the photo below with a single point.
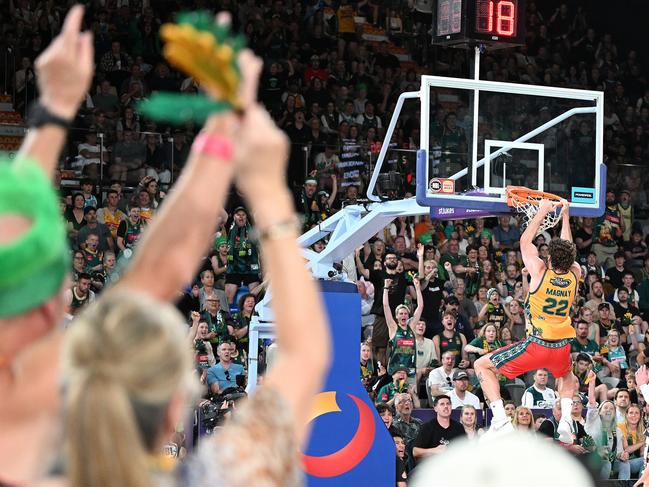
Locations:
(583, 195)
(349, 443)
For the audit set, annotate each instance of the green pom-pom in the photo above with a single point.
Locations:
(178, 109)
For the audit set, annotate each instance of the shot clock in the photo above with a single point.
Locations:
(496, 23)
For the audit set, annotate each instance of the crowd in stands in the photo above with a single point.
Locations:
(444, 292)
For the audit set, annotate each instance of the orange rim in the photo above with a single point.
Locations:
(521, 194)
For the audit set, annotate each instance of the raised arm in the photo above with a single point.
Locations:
(420, 260)
(392, 325)
(261, 176)
(566, 231)
(528, 250)
(172, 246)
(420, 305)
(359, 264)
(64, 72)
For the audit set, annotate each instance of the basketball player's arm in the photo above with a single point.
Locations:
(71, 53)
(528, 250)
(389, 319)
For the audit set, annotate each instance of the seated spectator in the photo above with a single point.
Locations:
(386, 414)
(450, 340)
(207, 290)
(79, 295)
(596, 299)
(469, 420)
(607, 322)
(220, 323)
(75, 215)
(486, 341)
(582, 366)
(398, 385)
(582, 344)
(129, 232)
(440, 380)
(116, 64)
(224, 374)
(614, 357)
(630, 444)
(538, 395)
(106, 241)
(628, 283)
(407, 425)
(128, 121)
(402, 459)
(106, 100)
(549, 429)
(523, 419)
(128, 159)
(91, 154)
(198, 340)
(110, 215)
(439, 432)
(142, 199)
(91, 254)
(459, 395)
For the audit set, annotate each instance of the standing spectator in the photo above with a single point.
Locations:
(608, 230)
(306, 203)
(615, 274)
(243, 261)
(505, 235)
(439, 432)
(432, 290)
(539, 395)
(401, 348)
(396, 295)
(459, 395)
(203, 353)
(451, 340)
(426, 358)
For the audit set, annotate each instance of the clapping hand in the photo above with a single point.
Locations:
(642, 376)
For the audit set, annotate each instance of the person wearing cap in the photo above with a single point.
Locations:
(86, 189)
(552, 291)
(106, 241)
(398, 385)
(435, 435)
(493, 311)
(608, 232)
(459, 394)
(219, 261)
(243, 258)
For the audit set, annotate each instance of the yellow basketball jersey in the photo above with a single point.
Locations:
(548, 308)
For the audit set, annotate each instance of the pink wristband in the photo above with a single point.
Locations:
(213, 145)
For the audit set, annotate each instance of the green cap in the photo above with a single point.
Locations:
(34, 265)
(486, 233)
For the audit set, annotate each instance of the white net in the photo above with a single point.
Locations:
(529, 207)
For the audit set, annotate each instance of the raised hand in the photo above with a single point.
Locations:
(448, 267)
(195, 316)
(65, 69)
(642, 376)
(545, 207)
(387, 283)
(420, 250)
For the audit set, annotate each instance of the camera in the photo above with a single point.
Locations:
(213, 413)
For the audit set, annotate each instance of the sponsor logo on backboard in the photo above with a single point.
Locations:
(439, 185)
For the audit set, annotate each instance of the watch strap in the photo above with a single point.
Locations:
(38, 115)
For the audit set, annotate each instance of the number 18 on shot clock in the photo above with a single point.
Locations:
(495, 23)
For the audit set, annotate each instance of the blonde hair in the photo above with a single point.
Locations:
(396, 310)
(625, 426)
(125, 359)
(518, 410)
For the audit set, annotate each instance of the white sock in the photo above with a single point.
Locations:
(566, 409)
(498, 409)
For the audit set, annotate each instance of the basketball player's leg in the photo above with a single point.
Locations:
(566, 387)
(487, 374)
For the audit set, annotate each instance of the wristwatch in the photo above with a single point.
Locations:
(38, 115)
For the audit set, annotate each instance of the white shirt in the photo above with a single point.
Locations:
(425, 353)
(441, 378)
(549, 396)
(469, 399)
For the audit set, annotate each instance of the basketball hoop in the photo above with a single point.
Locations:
(526, 202)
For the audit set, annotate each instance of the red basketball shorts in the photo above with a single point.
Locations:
(531, 354)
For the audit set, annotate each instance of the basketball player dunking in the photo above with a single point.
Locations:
(552, 290)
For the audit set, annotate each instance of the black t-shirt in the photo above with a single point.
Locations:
(620, 311)
(401, 471)
(431, 434)
(585, 236)
(615, 325)
(615, 277)
(633, 247)
(432, 294)
(396, 294)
